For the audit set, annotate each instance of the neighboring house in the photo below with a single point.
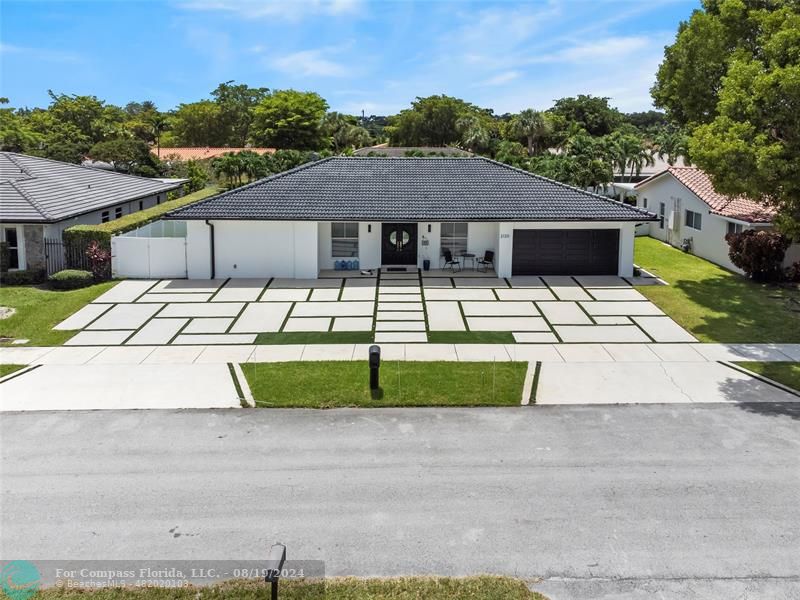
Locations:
(187, 153)
(398, 151)
(401, 211)
(692, 214)
(39, 198)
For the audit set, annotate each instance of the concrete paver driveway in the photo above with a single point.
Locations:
(397, 307)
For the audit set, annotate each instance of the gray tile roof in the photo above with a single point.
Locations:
(413, 189)
(39, 190)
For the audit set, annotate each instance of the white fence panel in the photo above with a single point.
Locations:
(148, 258)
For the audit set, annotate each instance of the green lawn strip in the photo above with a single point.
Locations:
(8, 369)
(39, 309)
(315, 337)
(471, 337)
(787, 373)
(340, 384)
(484, 587)
(716, 305)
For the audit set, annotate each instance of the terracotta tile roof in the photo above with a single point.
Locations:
(187, 153)
(735, 207)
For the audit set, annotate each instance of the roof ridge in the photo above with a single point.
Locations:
(272, 177)
(562, 184)
(92, 169)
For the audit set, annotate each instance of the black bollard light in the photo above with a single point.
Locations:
(374, 367)
(277, 556)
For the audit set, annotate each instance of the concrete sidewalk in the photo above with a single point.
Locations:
(220, 354)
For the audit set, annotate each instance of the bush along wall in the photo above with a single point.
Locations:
(71, 279)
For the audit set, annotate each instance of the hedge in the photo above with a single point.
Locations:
(82, 235)
(24, 277)
(71, 279)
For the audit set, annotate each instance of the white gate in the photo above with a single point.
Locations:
(148, 257)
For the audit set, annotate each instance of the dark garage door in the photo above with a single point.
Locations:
(565, 252)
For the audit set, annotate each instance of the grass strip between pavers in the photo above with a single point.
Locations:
(315, 337)
(471, 337)
(402, 383)
(483, 587)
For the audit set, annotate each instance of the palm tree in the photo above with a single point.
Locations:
(474, 136)
(159, 123)
(672, 143)
(534, 126)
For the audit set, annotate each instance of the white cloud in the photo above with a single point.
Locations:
(501, 78)
(612, 48)
(290, 10)
(43, 54)
(309, 63)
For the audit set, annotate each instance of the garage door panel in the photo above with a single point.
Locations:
(565, 252)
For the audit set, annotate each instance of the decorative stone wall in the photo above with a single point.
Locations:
(34, 247)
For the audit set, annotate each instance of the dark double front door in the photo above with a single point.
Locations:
(399, 244)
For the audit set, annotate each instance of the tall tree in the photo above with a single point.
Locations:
(236, 103)
(290, 119)
(432, 121)
(198, 124)
(590, 113)
(732, 78)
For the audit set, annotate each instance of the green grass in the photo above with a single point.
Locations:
(338, 384)
(316, 337)
(470, 337)
(787, 373)
(39, 309)
(716, 305)
(8, 369)
(484, 587)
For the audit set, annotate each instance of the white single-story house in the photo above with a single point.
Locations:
(40, 198)
(693, 216)
(400, 212)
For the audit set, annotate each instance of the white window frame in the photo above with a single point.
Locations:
(697, 217)
(662, 214)
(21, 264)
(347, 237)
(737, 227)
(105, 216)
(118, 212)
(448, 240)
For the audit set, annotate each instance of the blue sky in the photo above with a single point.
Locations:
(358, 54)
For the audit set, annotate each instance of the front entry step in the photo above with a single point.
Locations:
(399, 316)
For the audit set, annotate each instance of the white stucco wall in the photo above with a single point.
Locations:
(506, 242)
(253, 249)
(198, 250)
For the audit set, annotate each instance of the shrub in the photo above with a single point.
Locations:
(759, 253)
(100, 260)
(24, 277)
(71, 279)
(793, 272)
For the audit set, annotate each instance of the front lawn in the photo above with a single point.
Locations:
(39, 309)
(716, 305)
(787, 373)
(483, 587)
(339, 384)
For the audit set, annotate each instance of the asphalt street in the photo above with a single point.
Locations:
(632, 501)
